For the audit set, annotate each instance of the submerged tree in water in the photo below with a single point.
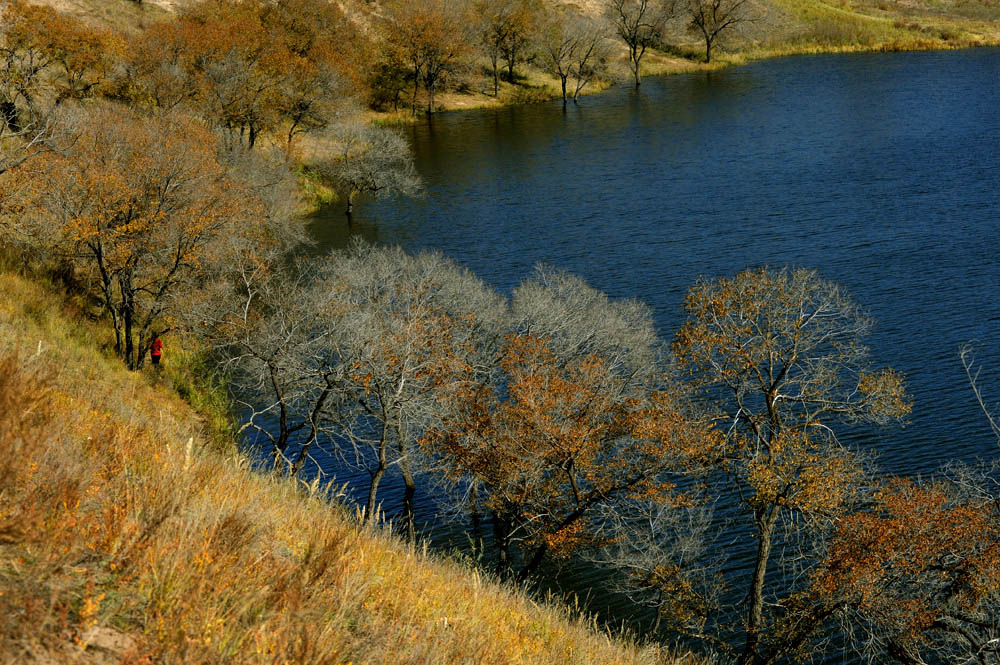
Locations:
(780, 354)
(400, 335)
(916, 576)
(572, 418)
(370, 160)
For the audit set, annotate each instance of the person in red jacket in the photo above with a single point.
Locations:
(156, 349)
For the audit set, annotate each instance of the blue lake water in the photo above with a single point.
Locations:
(881, 171)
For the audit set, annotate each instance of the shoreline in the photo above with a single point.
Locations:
(318, 194)
(663, 64)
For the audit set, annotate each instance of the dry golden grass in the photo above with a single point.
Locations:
(125, 538)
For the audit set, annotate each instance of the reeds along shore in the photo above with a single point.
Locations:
(126, 536)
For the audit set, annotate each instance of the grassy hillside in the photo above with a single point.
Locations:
(126, 535)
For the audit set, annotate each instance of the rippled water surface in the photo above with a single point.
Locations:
(882, 171)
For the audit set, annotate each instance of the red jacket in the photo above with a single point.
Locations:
(157, 347)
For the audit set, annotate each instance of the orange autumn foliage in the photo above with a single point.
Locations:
(780, 354)
(144, 206)
(556, 438)
(920, 570)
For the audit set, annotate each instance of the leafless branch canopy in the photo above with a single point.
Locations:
(967, 355)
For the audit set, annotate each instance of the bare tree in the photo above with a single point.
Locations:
(712, 18)
(558, 47)
(273, 187)
(520, 29)
(640, 24)
(671, 558)
(370, 160)
(967, 355)
(20, 142)
(261, 321)
(592, 55)
(495, 19)
(310, 98)
(571, 47)
(400, 330)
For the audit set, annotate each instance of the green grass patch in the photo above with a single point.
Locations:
(316, 192)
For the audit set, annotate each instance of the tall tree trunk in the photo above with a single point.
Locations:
(282, 443)
(536, 560)
(376, 478)
(496, 76)
(659, 617)
(766, 519)
(410, 487)
(501, 537)
(313, 428)
(408, 492)
(635, 53)
(107, 292)
(128, 314)
(373, 490)
(416, 85)
(474, 516)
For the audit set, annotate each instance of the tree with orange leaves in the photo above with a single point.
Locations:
(429, 37)
(238, 69)
(317, 34)
(780, 354)
(85, 58)
(916, 576)
(158, 68)
(45, 58)
(572, 418)
(144, 204)
(26, 55)
(249, 67)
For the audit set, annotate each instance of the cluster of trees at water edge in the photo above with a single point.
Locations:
(561, 420)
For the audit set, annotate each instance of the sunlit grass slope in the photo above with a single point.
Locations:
(126, 537)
